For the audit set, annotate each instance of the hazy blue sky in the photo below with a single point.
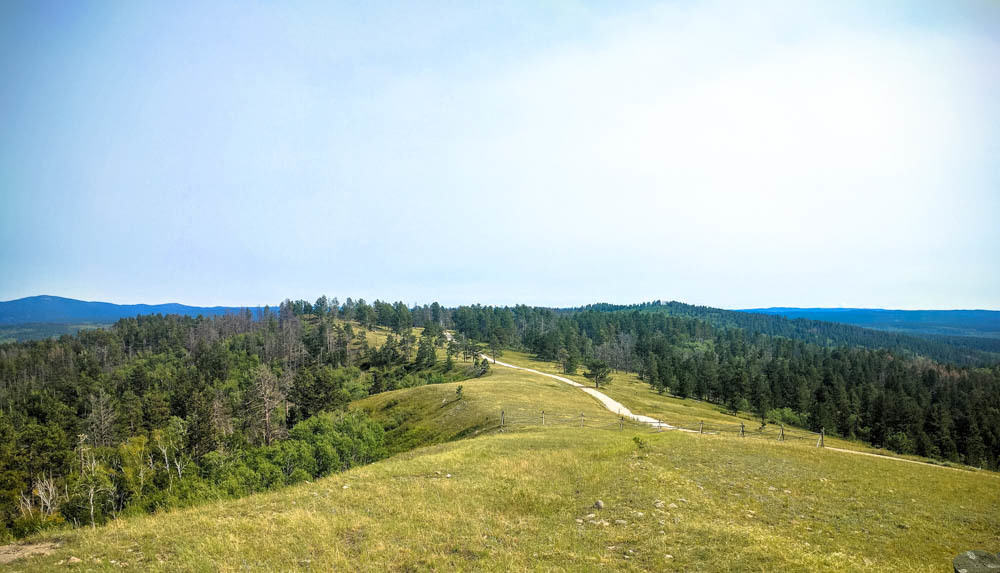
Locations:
(734, 154)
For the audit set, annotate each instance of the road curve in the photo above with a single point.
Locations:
(616, 407)
(609, 403)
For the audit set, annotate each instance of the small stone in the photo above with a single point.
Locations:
(621, 522)
(579, 520)
(639, 514)
(346, 486)
(599, 504)
(658, 503)
(772, 488)
(590, 516)
(672, 506)
(448, 476)
(976, 561)
(788, 491)
(74, 559)
(668, 556)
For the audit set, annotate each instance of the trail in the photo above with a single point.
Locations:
(618, 408)
(608, 402)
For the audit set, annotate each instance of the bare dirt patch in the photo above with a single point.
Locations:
(11, 552)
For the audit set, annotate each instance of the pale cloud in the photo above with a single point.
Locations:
(733, 154)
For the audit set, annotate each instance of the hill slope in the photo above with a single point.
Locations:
(56, 309)
(523, 500)
(960, 350)
(985, 323)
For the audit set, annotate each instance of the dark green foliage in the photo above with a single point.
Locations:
(879, 387)
(426, 354)
(160, 411)
(318, 388)
(598, 371)
(570, 363)
(953, 349)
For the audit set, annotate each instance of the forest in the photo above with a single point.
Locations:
(165, 411)
(960, 350)
(878, 387)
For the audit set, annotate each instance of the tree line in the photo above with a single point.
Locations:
(820, 377)
(160, 411)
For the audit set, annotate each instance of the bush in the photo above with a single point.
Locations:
(29, 524)
(787, 416)
(340, 440)
(900, 442)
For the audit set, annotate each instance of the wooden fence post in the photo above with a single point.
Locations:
(822, 433)
(701, 427)
(621, 423)
(543, 417)
(501, 418)
(781, 436)
(742, 428)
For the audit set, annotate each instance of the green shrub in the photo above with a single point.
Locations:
(787, 416)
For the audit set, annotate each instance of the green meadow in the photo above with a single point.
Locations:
(464, 494)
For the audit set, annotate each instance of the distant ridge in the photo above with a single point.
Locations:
(60, 310)
(983, 323)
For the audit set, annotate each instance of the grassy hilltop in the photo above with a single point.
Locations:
(523, 499)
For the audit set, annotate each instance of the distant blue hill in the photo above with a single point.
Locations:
(981, 323)
(59, 310)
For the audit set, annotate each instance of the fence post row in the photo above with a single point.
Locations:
(820, 442)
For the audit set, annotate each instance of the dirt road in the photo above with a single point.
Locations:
(617, 407)
(609, 403)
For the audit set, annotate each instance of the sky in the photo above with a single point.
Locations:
(730, 154)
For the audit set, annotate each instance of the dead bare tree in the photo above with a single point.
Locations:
(93, 481)
(101, 421)
(45, 489)
(267, 396)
